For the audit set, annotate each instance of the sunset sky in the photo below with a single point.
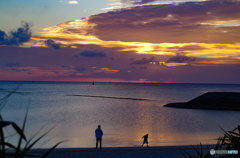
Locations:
(168, 41)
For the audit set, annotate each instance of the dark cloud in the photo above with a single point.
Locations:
(3, 36)
(79, 69)
(138, 1)
(52, 44)
(65, 66)
(16, 38)
(92, 54)
(143, 61)
(42, 63)
(12, 65)
(143, 67)
(180, 59)
(198, 22)
(15, 70)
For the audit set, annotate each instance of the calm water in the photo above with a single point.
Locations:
(124, 121)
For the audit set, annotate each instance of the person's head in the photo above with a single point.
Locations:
(99, 126)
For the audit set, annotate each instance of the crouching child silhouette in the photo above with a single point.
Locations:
(99, 134)
(145, 140)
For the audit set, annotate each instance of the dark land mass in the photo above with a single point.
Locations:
(212, 101)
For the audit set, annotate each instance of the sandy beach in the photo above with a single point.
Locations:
(123, 152)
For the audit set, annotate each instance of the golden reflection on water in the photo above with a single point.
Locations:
(129, 130)
(79, 137)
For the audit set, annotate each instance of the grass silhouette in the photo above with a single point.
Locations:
(229, 141)
(21, 148)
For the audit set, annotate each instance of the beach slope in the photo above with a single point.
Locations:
(124, 152)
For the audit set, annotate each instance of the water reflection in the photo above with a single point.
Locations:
(124, 125)
(124, 122)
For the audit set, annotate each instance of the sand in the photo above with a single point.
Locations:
(123, 152)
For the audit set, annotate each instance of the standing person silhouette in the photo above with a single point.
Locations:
(99, 134)
(145, 140)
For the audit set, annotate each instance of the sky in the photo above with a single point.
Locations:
(166, 41)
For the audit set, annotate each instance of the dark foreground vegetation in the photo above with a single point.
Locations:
(21, 148)
(230, 141)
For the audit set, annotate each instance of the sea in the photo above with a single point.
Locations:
(71, 111)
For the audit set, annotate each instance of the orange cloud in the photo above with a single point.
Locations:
(106, 70)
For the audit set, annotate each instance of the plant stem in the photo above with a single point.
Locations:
(2, 143)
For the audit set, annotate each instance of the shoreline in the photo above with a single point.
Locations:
(126, 152)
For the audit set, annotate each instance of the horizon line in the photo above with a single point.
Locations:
(133, 82)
